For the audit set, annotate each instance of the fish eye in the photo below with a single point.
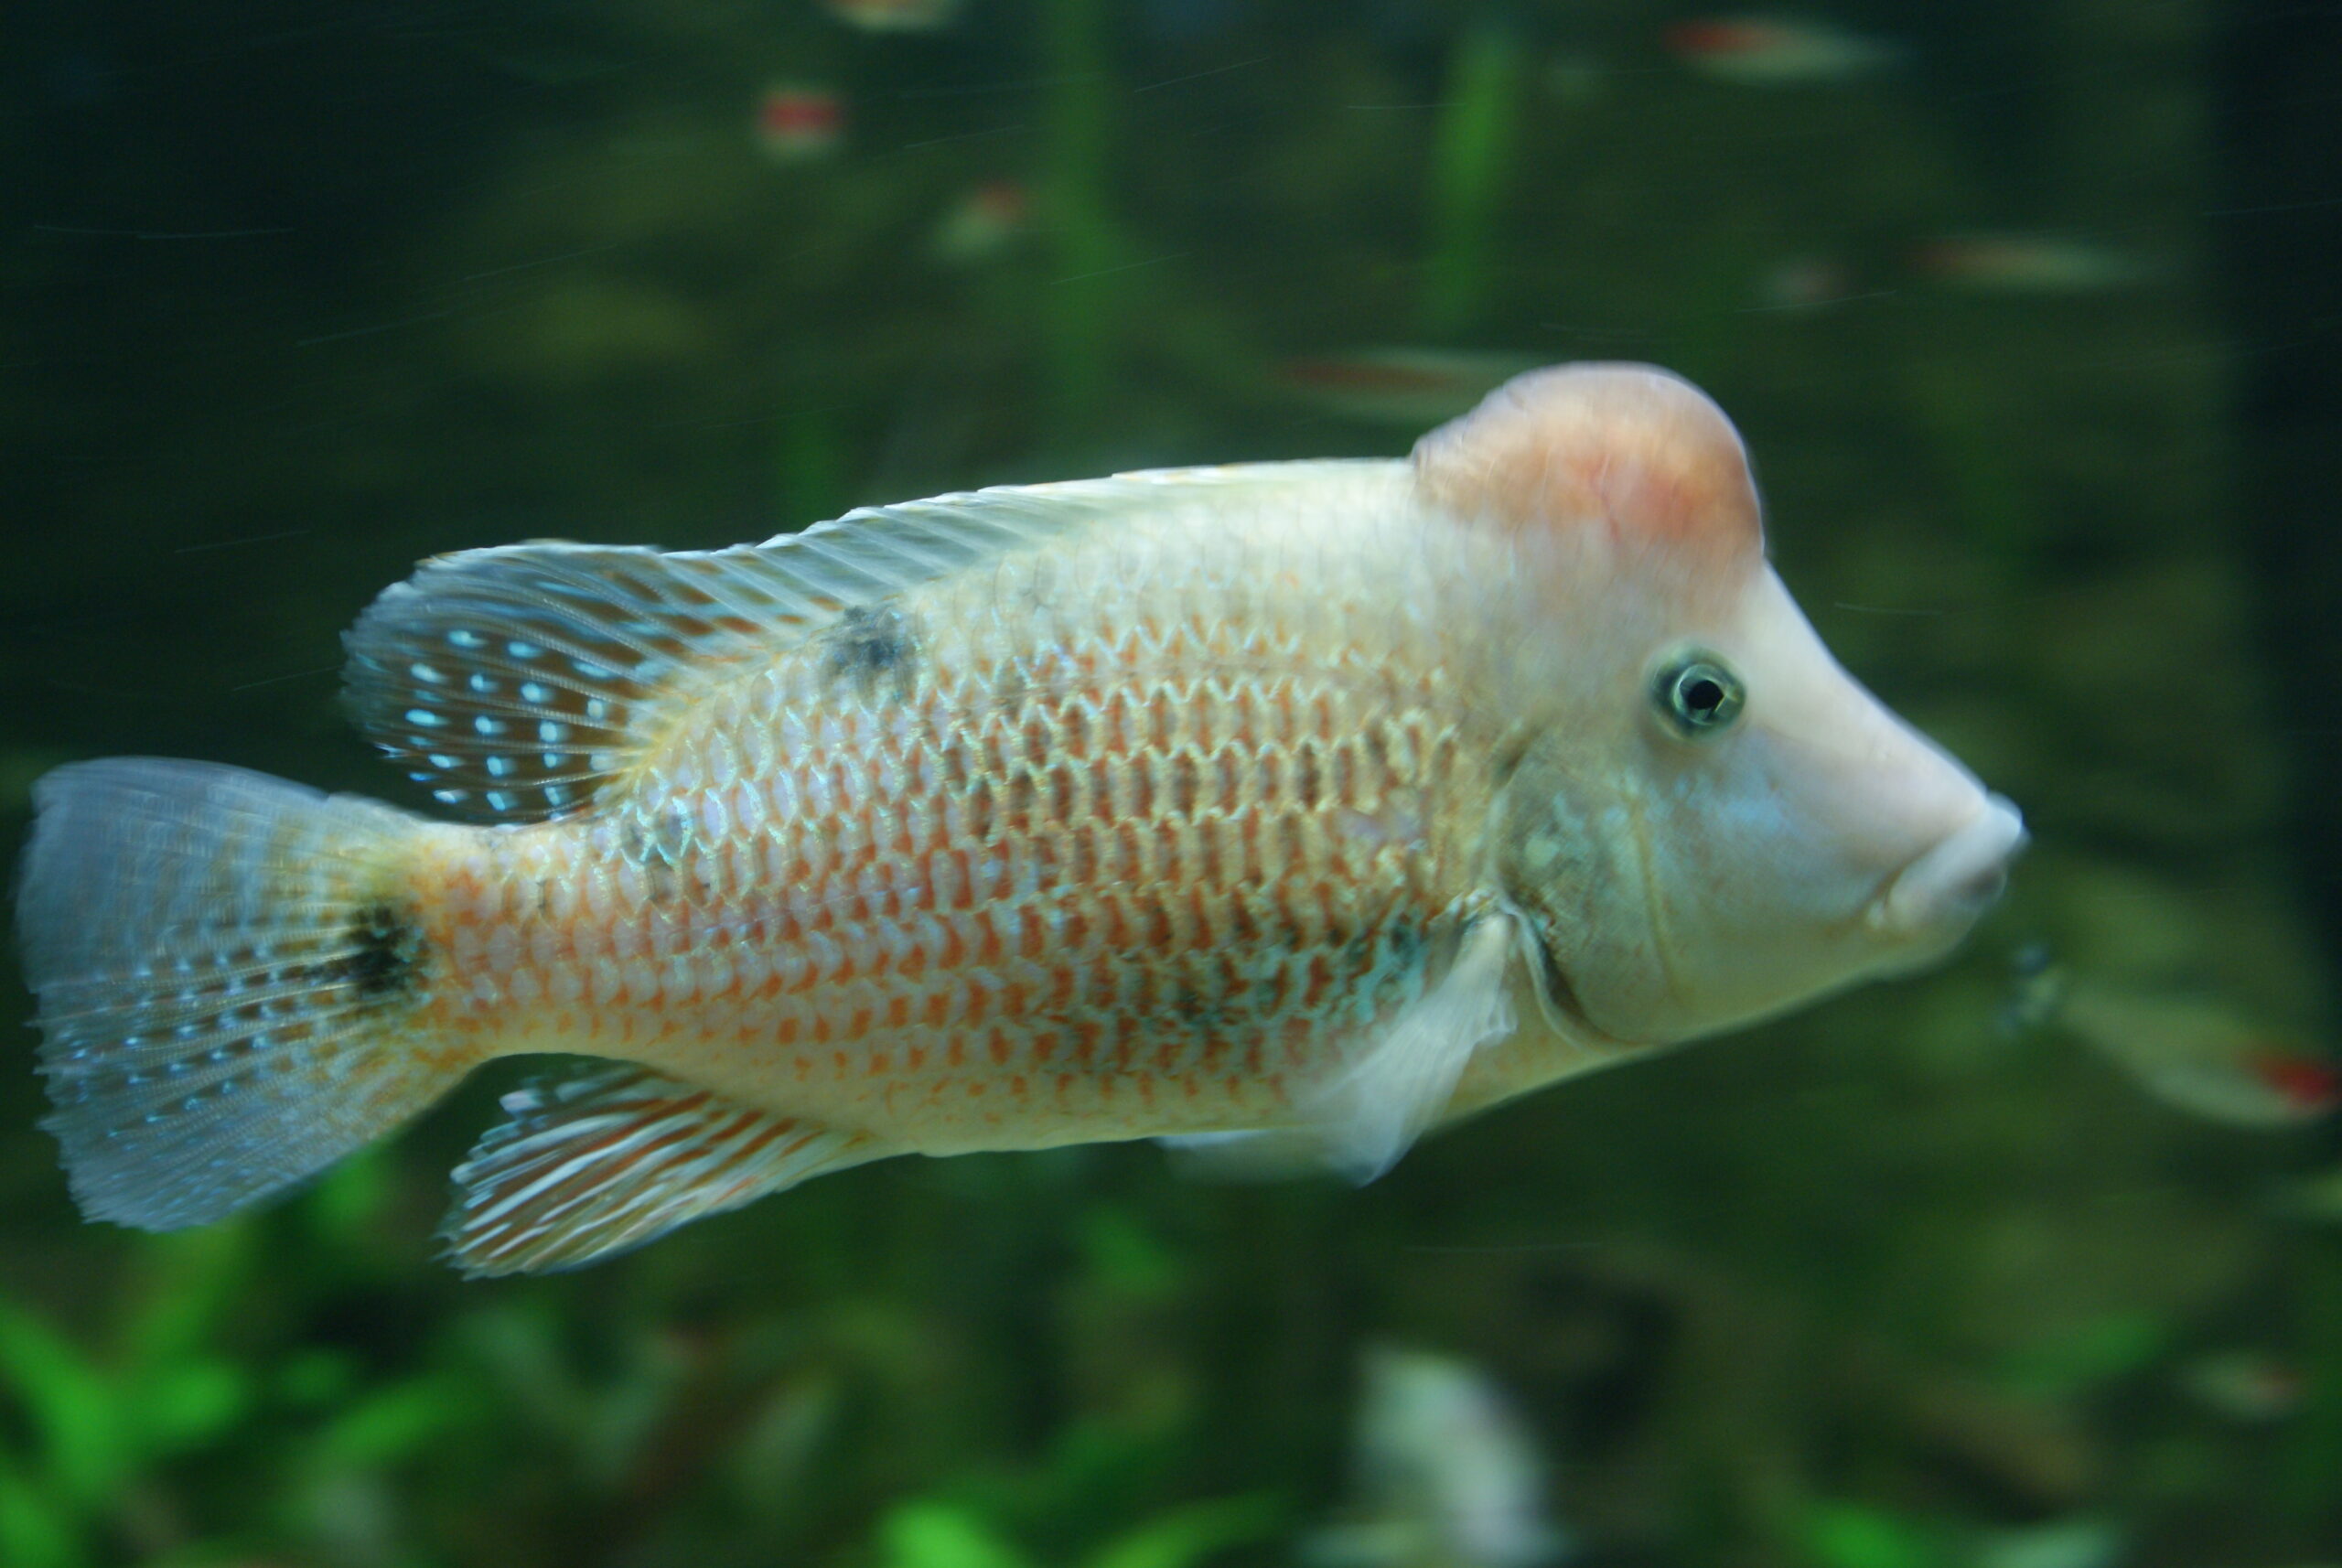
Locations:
(1697, 694)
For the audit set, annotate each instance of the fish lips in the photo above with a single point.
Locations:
(1931, 902)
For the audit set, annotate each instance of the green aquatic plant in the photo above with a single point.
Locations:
(2314, 1457)
(1084, 247)
(1840, 1534)
(2087, 1355)
(111, 1420)
(931, 1533)
(1471, 162)
(810, 468)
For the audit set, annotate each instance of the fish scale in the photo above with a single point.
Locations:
(1057, 883)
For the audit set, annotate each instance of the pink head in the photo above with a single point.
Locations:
(1712, 821)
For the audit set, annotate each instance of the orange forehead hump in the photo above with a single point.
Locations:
(1634, 446)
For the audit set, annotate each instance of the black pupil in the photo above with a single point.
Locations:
(1702, 696)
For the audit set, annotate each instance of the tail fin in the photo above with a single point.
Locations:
(228, 968)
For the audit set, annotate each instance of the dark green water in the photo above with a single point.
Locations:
(2026, 313)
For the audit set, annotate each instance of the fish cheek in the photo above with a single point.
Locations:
(1562, 880)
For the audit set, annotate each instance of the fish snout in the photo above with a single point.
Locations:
(1955, 880)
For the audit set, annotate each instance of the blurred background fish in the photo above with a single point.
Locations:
(893, 15)
(2189, 1049)
(2013, 262)
(796, 123)
(1397, 386)
(2248, 1386)
(1777, 51)
(985, 222)
(1447, 1473)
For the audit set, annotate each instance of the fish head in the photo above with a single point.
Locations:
(1710, 820)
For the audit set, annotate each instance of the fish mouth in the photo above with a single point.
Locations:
(1941, 892)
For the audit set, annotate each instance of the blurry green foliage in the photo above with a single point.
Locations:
(933, 1534)
(1852, 1535)
(1474, 148)
(2090, 1355)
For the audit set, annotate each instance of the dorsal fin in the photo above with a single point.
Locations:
(1633, 447)
(510, 680)
(513, 682)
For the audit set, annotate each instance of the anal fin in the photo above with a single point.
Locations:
(587, 1166)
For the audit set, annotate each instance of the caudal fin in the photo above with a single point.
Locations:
(228, 968)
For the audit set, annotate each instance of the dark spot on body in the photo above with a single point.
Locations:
(1197, 1008)
(660, 840)
(1187, 784)
(1009, 691)
(1378, 953)
(382, 960)
(981, 812)
(876, 648)
(1307, 784)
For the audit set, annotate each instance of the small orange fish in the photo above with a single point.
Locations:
(2027, 264)
(893, 15)
(1411, 387)
(796, 123)
(2190, 1050)
(984, 223)
(1777, 51)
(2199, 1055)
(1301, 805)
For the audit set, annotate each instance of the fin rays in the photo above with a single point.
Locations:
(597, 1164)
(198, 938)
(1363, 1118)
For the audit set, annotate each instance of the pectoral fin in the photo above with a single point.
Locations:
(1395, 1087)
(591, 1166)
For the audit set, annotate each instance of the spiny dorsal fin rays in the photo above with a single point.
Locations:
(513, 681)
(596, 1164)
(1633, 447)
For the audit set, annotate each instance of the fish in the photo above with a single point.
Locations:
(1404, 386)
(1777, 51)
(1449, 1474)
(798, 123)
(2249, 1387)
(2315, 1199)
(2019, 264)
(2186, 1047)
(2200, 1055)
(1311, 804)
(1806, 283)
(893, 15)
(982, 223)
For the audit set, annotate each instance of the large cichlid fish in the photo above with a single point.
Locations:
(1290, 808)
